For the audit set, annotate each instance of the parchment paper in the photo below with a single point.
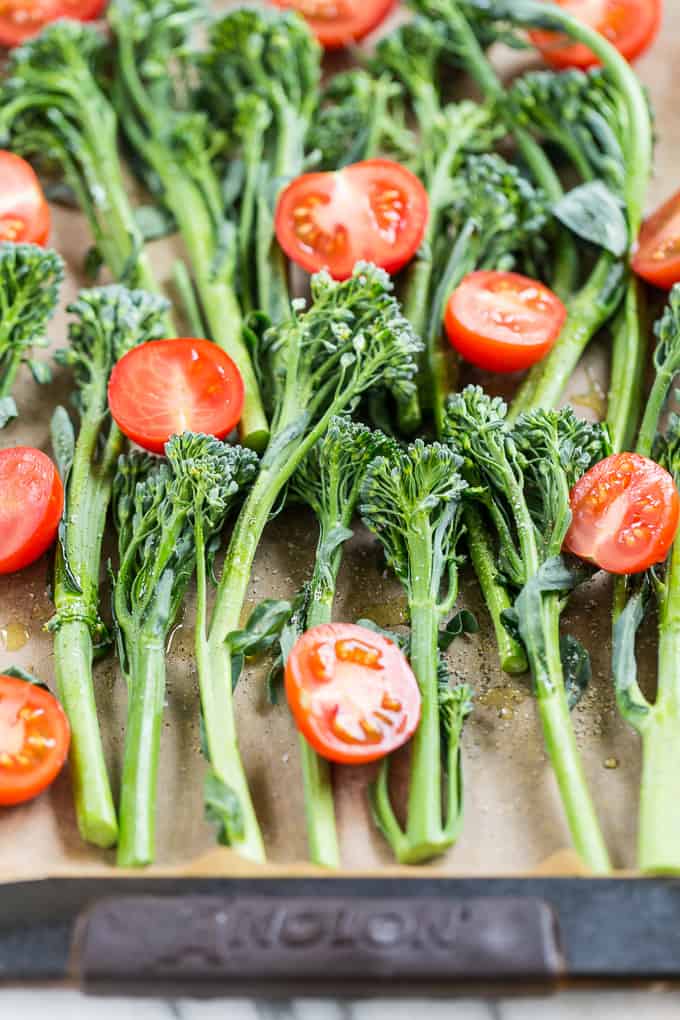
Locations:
(513, 820)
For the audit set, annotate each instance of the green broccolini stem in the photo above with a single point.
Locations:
(659, 821)
(88, 497)
(95, 812)
(185, 291)
(316, 771)
(146, 692)
(629, 353)
(484, 560)
(560, 742)
(425, 836)
(218, 716)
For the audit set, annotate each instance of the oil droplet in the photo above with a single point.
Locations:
(14, 636)
(611, 763)
(593, 398)
(503, 699)
(392, 613)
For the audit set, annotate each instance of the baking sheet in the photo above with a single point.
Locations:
(513, 819)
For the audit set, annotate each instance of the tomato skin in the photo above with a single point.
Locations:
(657, 254)
(31, 505)
(630, 25)
(22, 781)
(352, 693)
(503, 322)
(375, 211)
(22, 19)
(625, 514)
(339, 23)
(165, 387)
(24, 212)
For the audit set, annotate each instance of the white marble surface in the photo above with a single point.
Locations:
(20, 1004)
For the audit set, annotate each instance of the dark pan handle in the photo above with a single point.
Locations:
(302, 945)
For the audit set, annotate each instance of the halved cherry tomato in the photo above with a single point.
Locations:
(165, 387)
(31, 504)
(352, 693)
(503, 322)
(625, 514)
(24, 213)
(21, 19)
(657, 257)
(338, 23)
(375, 210)
(34, 740)
(630, 25)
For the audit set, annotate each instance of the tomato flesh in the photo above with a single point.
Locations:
(503, 322)
(374, 211)
(165, 387)
(338, 23)
(31, 504)
(352, 693)
(22, 19)
(34, 740)
(24, 212)
(630, 25)
(625, 514)
(657, 256)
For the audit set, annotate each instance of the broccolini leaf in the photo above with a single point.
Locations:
(223, 809)
(595, 214)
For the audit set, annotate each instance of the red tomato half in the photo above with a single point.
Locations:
(338, 23)
(503, 322)
(625, 514)
(630, 25)
(165, 387)
(376, 211)
(352, 693)
(21, 19)
(657, 257)
(24, 213)
(31, 504)
(34, 740)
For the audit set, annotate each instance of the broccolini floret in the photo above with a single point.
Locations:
(261, 77)
(52, 107)
(329, 481)
(30, 278)
(159, 507)
(411, 499)
(109, 321)
(522, 477)
(181, 153)
(313, 366)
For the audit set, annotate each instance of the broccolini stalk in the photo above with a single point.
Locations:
(522, 477)
(51, 106)
(109, 322)
(658, 723)
(412, 54)
(329, 481)
(586, 116)
(636, 144)
(666, 368)
(30, 278)
(160, 506)
(411, 499)
(178, 146)
(468, 29)
(315, 365)
(261, 78)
